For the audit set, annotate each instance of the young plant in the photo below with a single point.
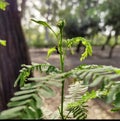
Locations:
(27, 103)
(61, 51)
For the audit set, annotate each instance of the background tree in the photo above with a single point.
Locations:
(86, 18)
(79, 20)
(82, 20)
(14, 54)
(111, 21)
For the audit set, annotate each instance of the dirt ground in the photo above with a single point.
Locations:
(97, 109)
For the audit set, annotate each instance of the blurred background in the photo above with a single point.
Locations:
(96, 20)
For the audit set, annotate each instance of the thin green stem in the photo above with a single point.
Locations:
(62, 68)
(68, 114)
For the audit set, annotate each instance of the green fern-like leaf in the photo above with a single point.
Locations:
(78, 107)
(93, 75)
(88, 47)
(105, 78)
(11, 113)
(27, 69)
(45, 24)
(79, 112)
(30, 94)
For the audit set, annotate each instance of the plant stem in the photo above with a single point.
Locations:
(62, 68)
(61, 53)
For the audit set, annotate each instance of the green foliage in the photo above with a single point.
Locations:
(88, 48)
(79, 112)
(78, 107)
(3, 42)
(50, 51)
(31, 93)
(45, 24)
(28, 102)
(3, 4)
(61, 24)
(27, 69)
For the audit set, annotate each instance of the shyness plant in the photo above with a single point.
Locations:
(89, 82)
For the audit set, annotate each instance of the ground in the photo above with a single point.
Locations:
(97, 109)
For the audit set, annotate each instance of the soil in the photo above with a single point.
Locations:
(97, 109)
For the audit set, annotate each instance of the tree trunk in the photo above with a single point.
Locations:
(13, 54)
(114, 45)
(107, 41)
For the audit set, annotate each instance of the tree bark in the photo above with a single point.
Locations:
(13, 54)
(23, 5)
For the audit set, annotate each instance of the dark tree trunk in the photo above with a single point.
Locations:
(78, 47)
(14, 54)
(107, 41)
(113, 46)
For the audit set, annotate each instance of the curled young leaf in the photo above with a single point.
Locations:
(60, 24)
(85, 43)
(50, 51)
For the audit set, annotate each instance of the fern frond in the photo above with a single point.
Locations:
(105, 79)
(27, 69)
(93, 75)
(11, 113)
(31, 94)
(76, 99)
(79, 112)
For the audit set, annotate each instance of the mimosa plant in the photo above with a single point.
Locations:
(27, 103)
